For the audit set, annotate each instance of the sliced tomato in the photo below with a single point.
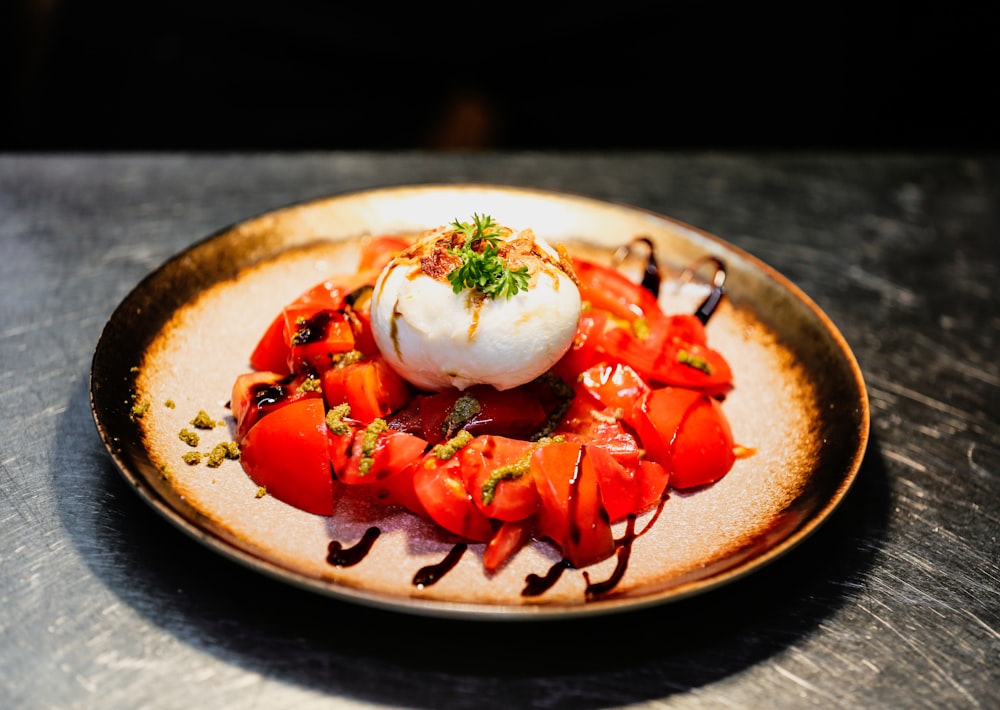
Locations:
(687, 364)
(671, 362)
(441, 491)
(585, 351)
(509, 538)
(271, 352)
(703, 451)
(516, 413)
(286, 453)
(497, 474)
(245, 398)
(258, 393)
(370, 386)
(315, 336)
(391, 452)
(609, 289)
(399, 489)
(659, 418)
(361, 323)
(687, 328)
(604, 429)
(573, 515)
(627, 489)
(686, 432)
(378, 251)
(389, 480)
(615, 385)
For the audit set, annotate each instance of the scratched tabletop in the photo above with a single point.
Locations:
(894, 602)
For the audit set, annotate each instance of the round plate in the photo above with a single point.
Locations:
(176, 343)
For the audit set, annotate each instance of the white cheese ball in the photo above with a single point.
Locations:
(437, 339)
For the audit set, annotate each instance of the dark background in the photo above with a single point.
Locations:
(308, 74)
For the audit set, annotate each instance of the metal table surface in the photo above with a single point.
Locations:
(893, 603)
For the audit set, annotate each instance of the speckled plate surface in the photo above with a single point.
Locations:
(176, 343)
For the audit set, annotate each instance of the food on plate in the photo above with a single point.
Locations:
(491, 384)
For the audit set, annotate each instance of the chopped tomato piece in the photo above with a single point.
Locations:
(572, 515)
(611, 290)
(258, 393)
(481, 409)
(510, 537)
(627, 488)
(441, 490)
(370, 386)
(497, 474)
(686, 328)
(388, 475)
(604, 429)
(659, 418)
(361, 323)
(686, 432)
(671, 362)
(389, 453)
(615, 385)
(271, 352)
(585, 350)
(703, 452)
(316, 336)
(378, 251)
(286, 453)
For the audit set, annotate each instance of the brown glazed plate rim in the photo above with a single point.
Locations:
(791, 365)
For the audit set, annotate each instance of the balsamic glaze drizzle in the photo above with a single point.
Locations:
(535, 585)
(340, 556)
(426, 576)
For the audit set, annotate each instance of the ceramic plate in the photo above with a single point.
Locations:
(176, 343)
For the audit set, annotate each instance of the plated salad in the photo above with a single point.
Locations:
(490, 383)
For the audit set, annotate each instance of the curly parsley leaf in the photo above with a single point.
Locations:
(482, 268)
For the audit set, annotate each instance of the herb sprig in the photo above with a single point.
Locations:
(484, 270)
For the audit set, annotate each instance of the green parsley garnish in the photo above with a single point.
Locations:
(482, 268)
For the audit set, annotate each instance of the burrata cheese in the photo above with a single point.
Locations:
(437, 338)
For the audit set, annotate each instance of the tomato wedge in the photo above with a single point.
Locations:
(388, 476)
(686, 432)
(573, 515)
(370, 386)
(391, 452)
(258, 393)
(671, 362)
(627, 488)
(378, 251)
(585, 350)
(703, 452)
(659, 418)
(615, 385)
(497, 474)
(516, 413)
(441, 490)
(611, 290)
(286, 453)
(510, 537)
(316, 336)
(271, 352)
